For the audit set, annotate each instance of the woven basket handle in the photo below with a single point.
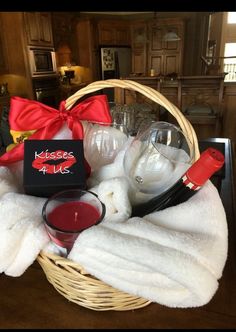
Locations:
(153, 95)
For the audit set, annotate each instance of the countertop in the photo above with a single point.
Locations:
(30, 301)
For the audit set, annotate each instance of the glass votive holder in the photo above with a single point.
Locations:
(67, 213)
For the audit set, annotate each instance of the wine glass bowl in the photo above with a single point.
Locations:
(102, 142)
(157, 157)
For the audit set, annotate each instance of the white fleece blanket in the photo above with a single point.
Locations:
(174, 257)
(22, 234)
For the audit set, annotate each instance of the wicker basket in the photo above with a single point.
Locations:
(69, 278)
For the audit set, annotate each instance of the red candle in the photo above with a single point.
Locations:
(68, 213)
(73, 216)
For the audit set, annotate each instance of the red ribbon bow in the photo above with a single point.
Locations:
(27, 115)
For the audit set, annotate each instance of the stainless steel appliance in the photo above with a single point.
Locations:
(42, 61)
(115, 63)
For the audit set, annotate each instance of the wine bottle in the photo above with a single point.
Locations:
(210, 161)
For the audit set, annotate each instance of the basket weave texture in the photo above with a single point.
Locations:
(68, 277)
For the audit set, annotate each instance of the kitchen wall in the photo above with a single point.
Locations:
(17, 85)
(82, 74)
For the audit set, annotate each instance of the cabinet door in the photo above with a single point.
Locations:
(113, 33)
(157, 42)
(62, 28)
(171, 63)
(45, 29)
(164, 64)
(138, 61)
(165, 57)
(32, 28)
(139, 47)
(122, 34)
(156, 62)
(87, 51)
(106, 34)
(3, 51)
(3, 61)
(38, 28)
(65, 38)
(84, 43)
(156, 39)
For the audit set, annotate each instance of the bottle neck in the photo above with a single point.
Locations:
(210, 161)
(188, 183)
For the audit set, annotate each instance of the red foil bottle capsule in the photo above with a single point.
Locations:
(210, 161)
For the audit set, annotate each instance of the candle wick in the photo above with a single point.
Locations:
(76, 216)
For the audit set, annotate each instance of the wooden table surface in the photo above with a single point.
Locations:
(30, 301)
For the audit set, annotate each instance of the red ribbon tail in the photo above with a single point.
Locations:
(12, 156)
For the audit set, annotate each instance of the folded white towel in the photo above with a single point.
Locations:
(22, 234)
(32, 242)
(114, 194)
(7, 181)
(176, 263)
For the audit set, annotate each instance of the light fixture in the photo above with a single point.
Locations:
(171, 36)
(140, 36)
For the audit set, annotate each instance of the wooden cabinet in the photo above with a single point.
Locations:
(3, 55)
(61, 28)
(139, 47)
(113, 33)
(200, 98)
(106, 34)
(64, 37)
(38, 28)
(19, 81)
(151, 51)
(202, 101)
(165, 57)
(87, 46)
(13, 43)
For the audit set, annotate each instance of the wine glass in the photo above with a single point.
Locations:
(124, 114)
(102, 142)
(144, 116)
(157, 158)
